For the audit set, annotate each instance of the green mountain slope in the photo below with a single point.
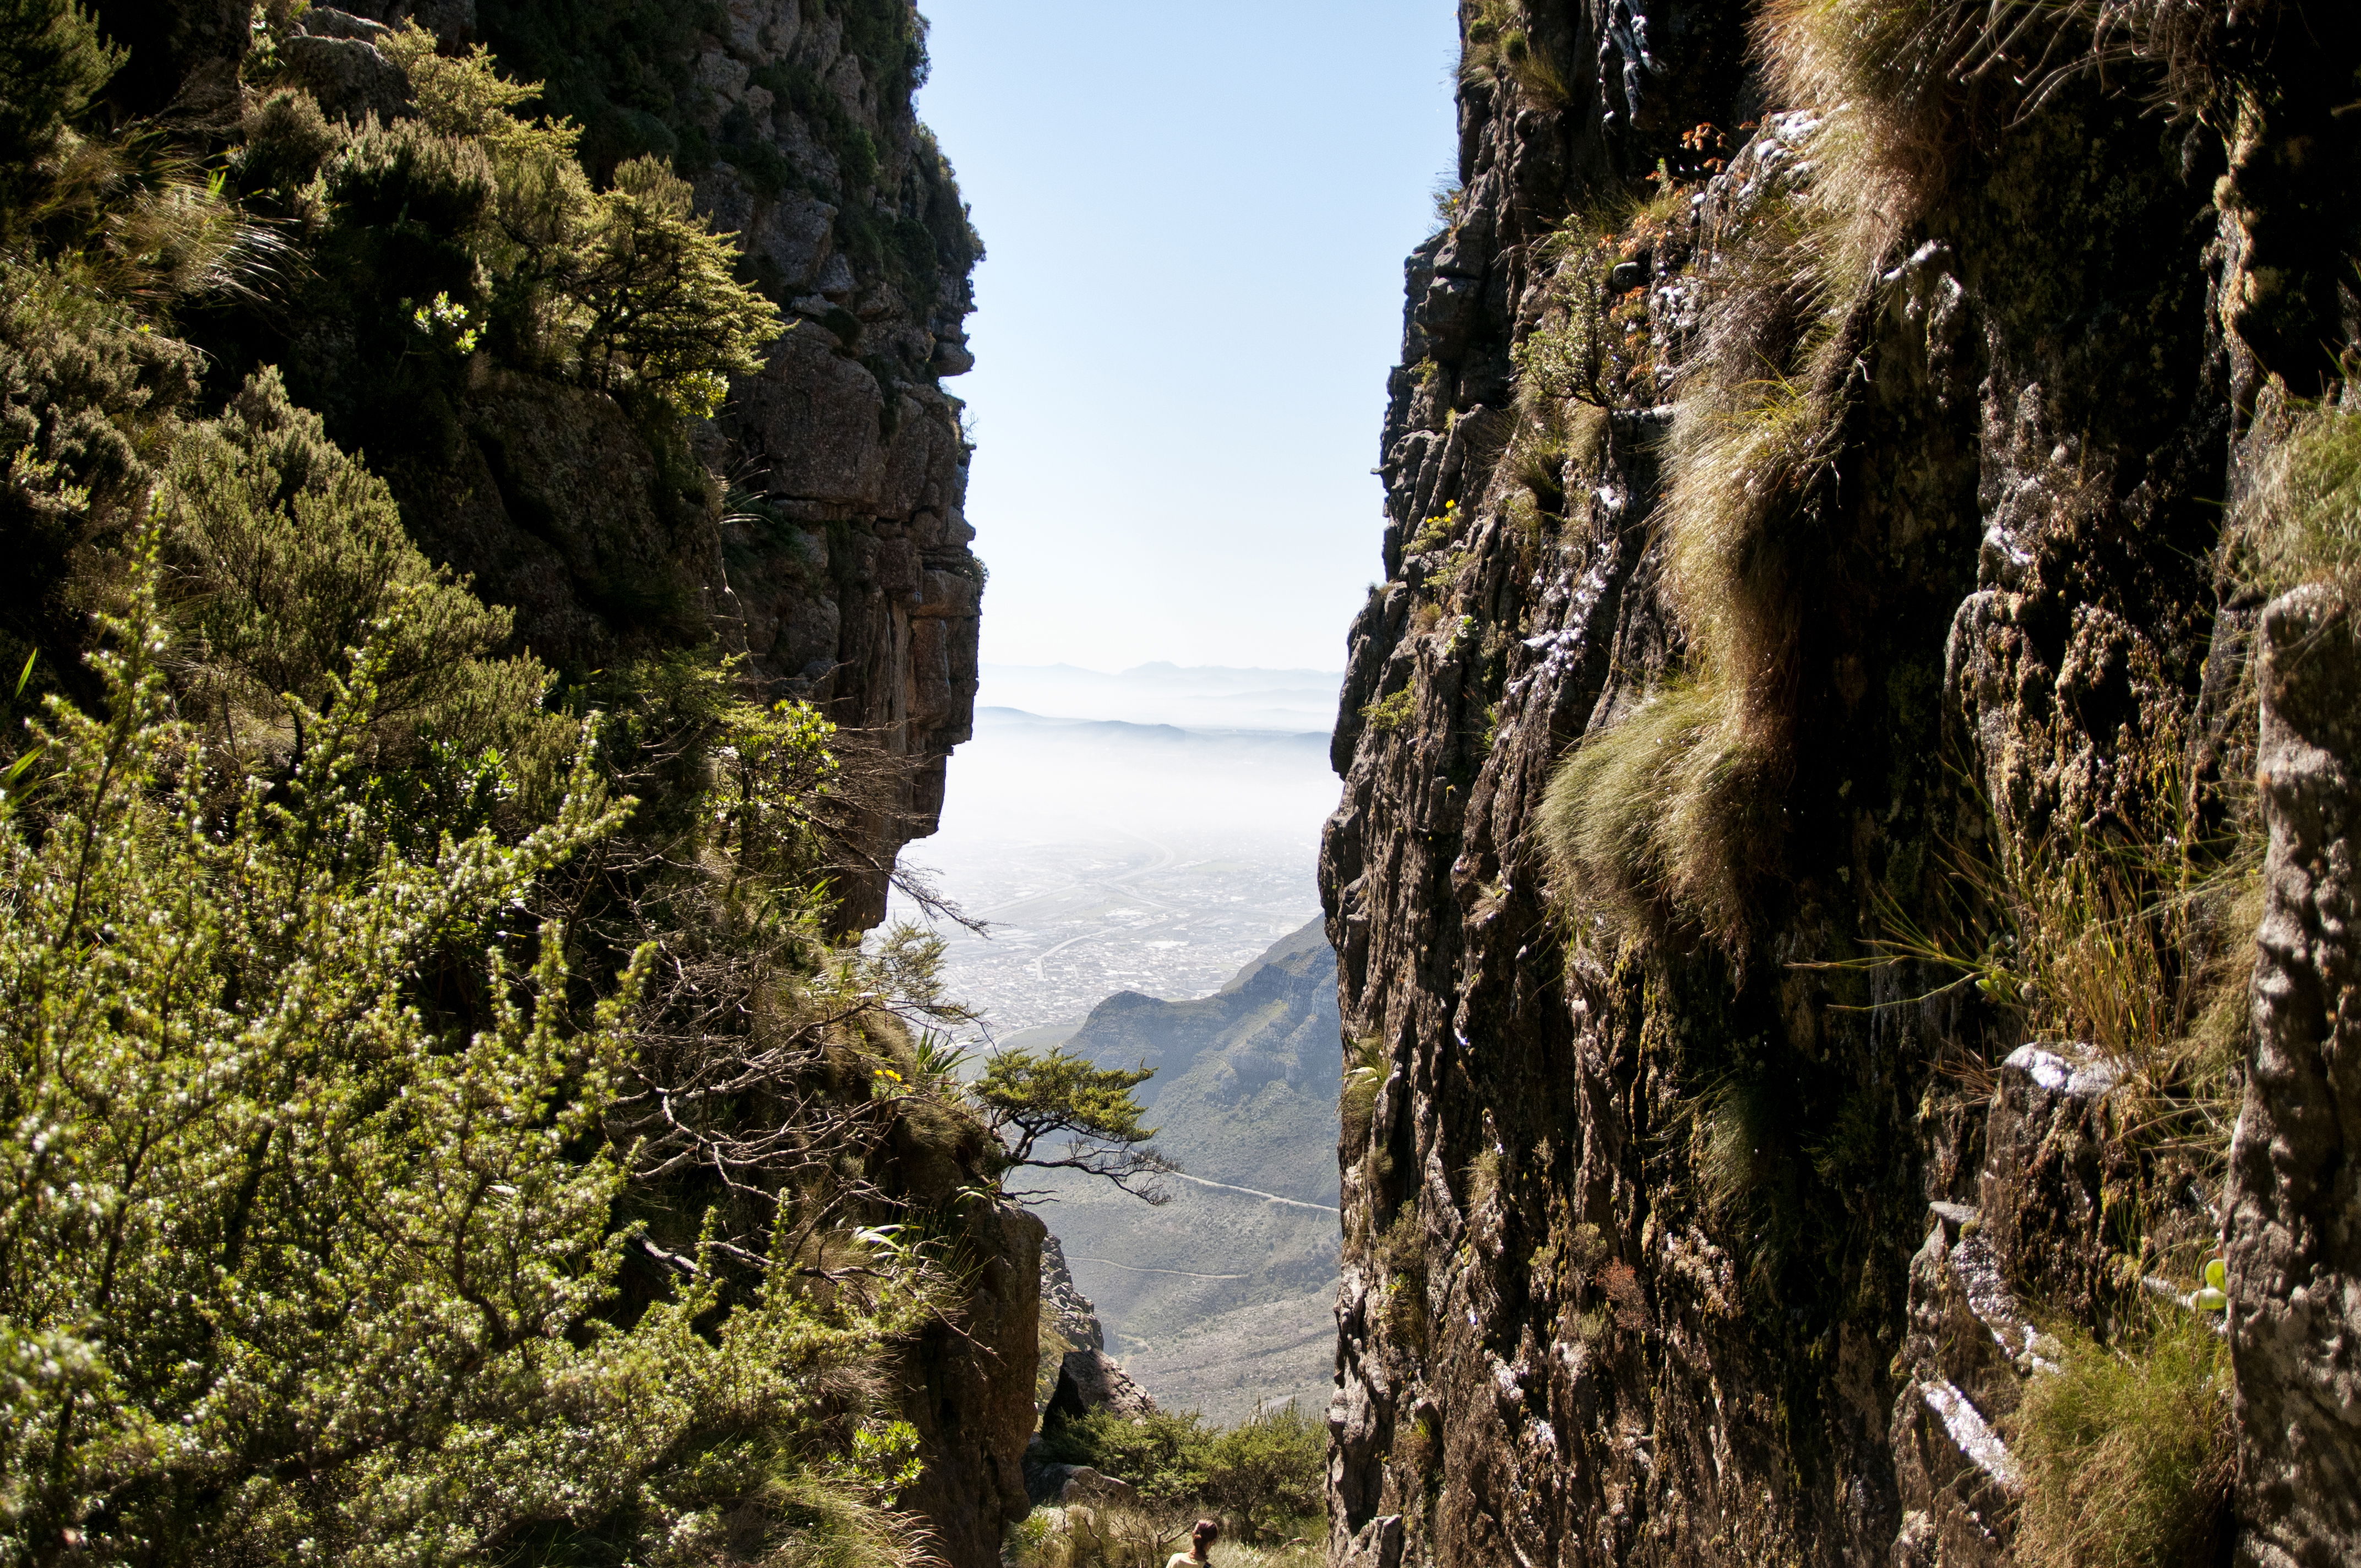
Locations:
(1221, 1297)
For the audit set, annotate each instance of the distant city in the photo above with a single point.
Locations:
(1150, 831)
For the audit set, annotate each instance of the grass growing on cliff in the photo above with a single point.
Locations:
(1666, 807)
(2133, 936)
(2129, 1452)
(1501, 43)
(2303, 521)
(1671, 817)
(1366, 1065)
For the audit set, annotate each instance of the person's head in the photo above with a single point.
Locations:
(1200, 1539)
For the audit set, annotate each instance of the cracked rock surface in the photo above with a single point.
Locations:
(1665, 1250)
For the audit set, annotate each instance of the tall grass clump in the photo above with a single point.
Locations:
(2301, 523)
(2129, 1452)
(1664, 809)
(1501, 44)
(1880, 75)
(1366, 1069)
(2133, 935)
(1670, 817)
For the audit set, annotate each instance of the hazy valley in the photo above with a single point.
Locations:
(1135, 847)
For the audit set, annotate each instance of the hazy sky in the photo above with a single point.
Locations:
(1196, 216)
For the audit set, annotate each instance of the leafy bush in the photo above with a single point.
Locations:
(628, 287)
(283, 553)
(1265, 1475)
(2129, 1452)
(53, 62)
(1388, 714)
(361, 1212)
(292, 1259)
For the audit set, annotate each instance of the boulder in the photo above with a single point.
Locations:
(1090, 1380)
(347, 75)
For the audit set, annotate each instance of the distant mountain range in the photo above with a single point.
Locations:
(1221, 1300)
(1190, 697)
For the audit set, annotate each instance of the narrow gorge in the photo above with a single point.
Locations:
(1841, 907)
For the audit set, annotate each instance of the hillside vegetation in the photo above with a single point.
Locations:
(438, 1121)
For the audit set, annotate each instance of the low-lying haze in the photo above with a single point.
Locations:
(1109, 849)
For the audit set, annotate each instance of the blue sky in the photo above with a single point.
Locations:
(1195, 217)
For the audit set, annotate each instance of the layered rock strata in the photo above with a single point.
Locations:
(1674, 1241)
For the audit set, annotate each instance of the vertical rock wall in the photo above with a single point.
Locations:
(2295, 1216)
(1670, 1249)
(844, 561)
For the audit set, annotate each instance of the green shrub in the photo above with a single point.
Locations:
(348, 1258)
(283, 552)
(659, 306)
(1268, 1473)
(54, 62)
(2129, 1452)
(1388, 714)
(1160, 1453)
(1264, 1475)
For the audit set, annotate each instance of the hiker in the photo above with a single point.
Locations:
(1200, 1542)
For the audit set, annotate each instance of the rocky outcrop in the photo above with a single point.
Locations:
(966, 1379)
(842, 566)
(2294, 1231)
(1677, 1241)
(1064, 1307)
(1091, 1380)
(1970, 1345)
(968, 1391)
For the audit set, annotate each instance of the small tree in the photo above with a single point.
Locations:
(1028, 1100)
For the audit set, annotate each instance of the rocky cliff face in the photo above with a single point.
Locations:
(842, 560)
(1823, 418)
(816, 525)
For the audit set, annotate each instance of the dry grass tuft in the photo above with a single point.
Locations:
(1367, 1067)
(2301, 523)
(2129, 1452)
(1501, 44)
(1671, 808)
(1881, 75)
(1742, 461)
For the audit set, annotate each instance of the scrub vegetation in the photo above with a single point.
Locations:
(443, 1122)
(1262, 1478)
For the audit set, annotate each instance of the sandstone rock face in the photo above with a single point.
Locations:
(2295, 1220)
(969, 1391)
(1663, 1247)
(841, 567)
